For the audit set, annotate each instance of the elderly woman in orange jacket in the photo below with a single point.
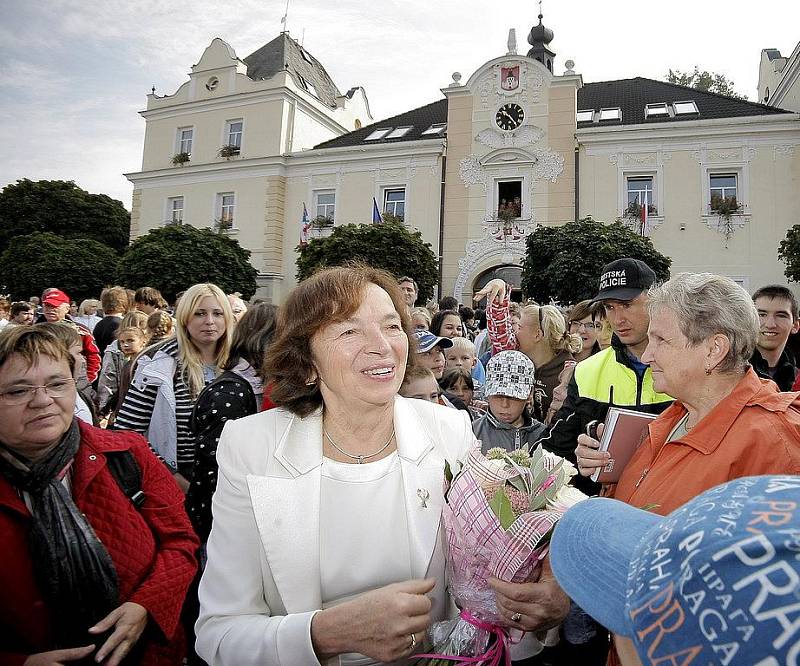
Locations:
(726, 422)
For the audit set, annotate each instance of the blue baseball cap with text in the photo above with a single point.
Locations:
(715, 582)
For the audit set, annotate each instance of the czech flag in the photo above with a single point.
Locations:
(377, 218)
(644, 207)
(305, 225)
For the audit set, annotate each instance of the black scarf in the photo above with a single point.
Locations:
(73, 568)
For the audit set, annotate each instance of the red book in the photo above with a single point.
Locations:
(623, 432)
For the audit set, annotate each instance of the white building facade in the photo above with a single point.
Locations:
(514, 146)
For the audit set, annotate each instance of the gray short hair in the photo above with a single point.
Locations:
(708, 304)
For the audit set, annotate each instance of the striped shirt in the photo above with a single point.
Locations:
(136, 411)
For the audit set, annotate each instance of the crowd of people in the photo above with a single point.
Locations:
(226, 482)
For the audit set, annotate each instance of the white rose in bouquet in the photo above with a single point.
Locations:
(566, 497)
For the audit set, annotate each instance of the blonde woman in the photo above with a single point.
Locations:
(87, 313)
(168, 378)
(541, 334)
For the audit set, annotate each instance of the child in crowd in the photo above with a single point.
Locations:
(420, 383)
(508, 422)
(462, 355)
(430, 351)
(160, 326)
(131, 340)
(459, 382)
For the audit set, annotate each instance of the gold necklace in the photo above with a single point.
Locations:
(359, 459)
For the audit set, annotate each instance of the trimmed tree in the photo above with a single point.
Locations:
(789, 253)
(175, 257)
(81, 267)
(62, 208)
(564, 263)
(390, 246)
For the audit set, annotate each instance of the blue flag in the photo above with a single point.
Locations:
(377, 218)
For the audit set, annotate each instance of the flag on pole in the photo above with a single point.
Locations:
(377, 218)
(643, 230)
(305, 225)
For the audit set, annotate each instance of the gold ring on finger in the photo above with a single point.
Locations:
(413, 642)
(516, 617)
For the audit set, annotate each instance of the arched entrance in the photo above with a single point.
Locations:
(509, 273)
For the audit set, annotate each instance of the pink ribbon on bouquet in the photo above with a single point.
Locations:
(496, 655)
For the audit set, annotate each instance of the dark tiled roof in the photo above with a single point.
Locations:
(418, 119)
(285, 53)
(631, 95)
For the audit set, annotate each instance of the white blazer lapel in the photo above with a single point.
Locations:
(286, 505)
(423, 478)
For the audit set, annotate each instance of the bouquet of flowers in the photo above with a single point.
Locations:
(500, 510)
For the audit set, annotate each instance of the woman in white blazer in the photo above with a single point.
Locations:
(326, 541)
(326, 544)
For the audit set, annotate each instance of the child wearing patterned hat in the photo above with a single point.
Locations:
(508, 422)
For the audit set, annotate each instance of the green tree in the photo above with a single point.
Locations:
(81, 267)
(175, 257)
(789, 253)
(389, 246)
(62, 208)
(564, 263)
(705, 80)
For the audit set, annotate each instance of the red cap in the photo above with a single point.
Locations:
(56, 298)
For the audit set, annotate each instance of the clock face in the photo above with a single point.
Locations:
(509, 116)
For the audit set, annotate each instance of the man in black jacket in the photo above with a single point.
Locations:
(777, 312)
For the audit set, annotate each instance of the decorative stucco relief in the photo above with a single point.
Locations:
(524, 136)
(783, 151)
(642, 159)
(549, 165)
(392, 174)
(506, 249)
(724, 155)
(471, 172)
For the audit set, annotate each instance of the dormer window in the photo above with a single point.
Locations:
(659, 110)
(685, 108)
(611, 114)
(586, 116)
(378, 134)
(436, 128)
(400, 131)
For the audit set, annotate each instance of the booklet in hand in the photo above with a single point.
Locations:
(623, 432)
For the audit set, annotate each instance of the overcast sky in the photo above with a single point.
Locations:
(74, 73)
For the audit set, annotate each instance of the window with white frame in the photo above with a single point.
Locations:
(640, 192)
(614, 113)
(233, 133)
(174, 210)
(685, 108)
(378, 134)
(436, 128)
(722, 187)
(659, 110)
(325, 203)
(394, 201)
(226, 209)
(397, 133)
(585, 115)
(185, 139)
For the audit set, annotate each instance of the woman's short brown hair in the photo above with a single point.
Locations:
(31, 342)
(330, 296)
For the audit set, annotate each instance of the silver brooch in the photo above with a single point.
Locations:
(424, 496)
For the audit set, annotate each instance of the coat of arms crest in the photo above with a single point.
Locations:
(509, 77)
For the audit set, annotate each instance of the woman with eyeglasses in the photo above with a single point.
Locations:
(541, 334)
(586, 320)
(95, 566)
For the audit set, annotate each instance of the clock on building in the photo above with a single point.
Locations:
(509, 116)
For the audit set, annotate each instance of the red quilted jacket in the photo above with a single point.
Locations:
(153, 549)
